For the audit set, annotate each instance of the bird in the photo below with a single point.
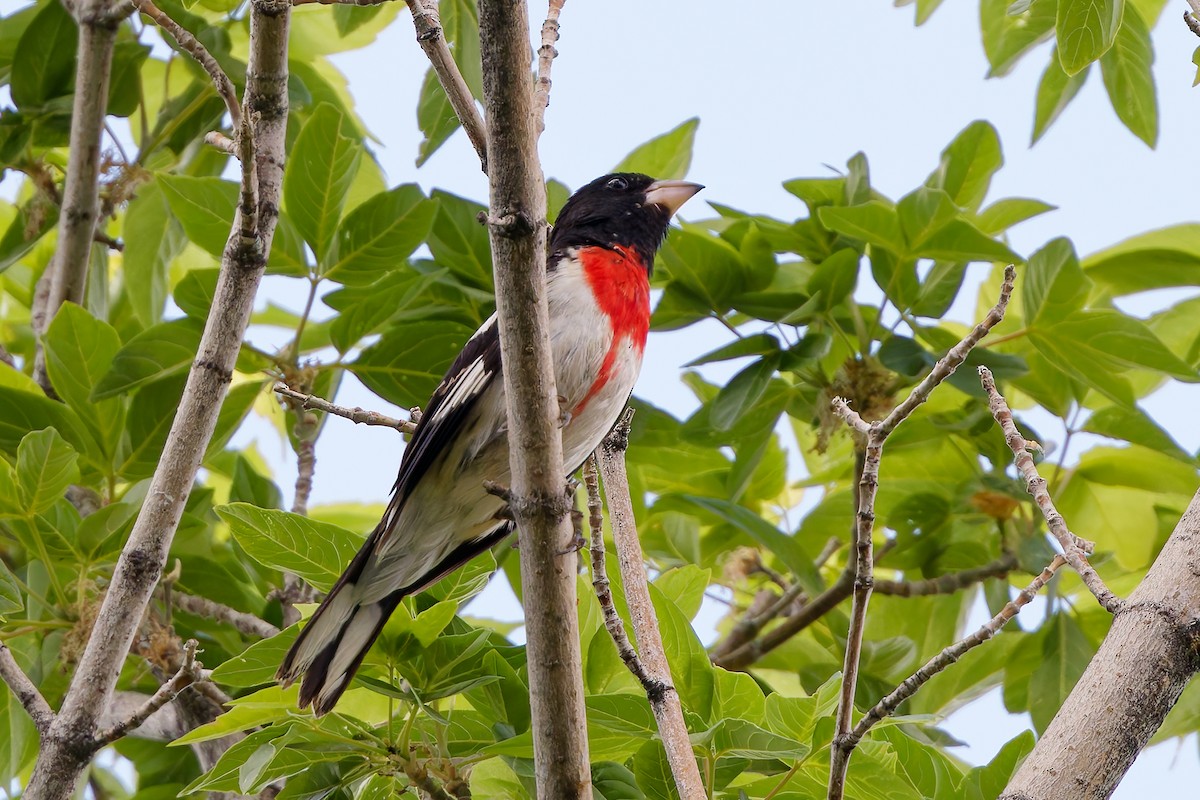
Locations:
(601, 253)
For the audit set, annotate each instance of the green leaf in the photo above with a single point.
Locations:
(46, 466)
(22, 411)
(1055, 92)
(256, 664)
(321, 166)
(204, 206)
(1135, 426)
(875, 223)
(79, 351)
(407, 363)
(1008, 37)
(742, 393)
(757, 344)
(1004, 214)
(1066, 652)
(159, 352)
(708, 267)
(1129, 79)
(10, 594)
(834, 279)
(458, 242)
(435, 117)
(43, 65)
(378, 235)
(923, 212)
(1086, 30)
(988, 781)
(968, 164)
(743, 739)
(1153, 260)
(665, 156)
(940, 288)
(316, 551)
(784, 547)
(961, 241)
(125, 79)
(152, 241)
(1054, 286)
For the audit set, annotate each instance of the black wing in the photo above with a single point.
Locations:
(446, 414)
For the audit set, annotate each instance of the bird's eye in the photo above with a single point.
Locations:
(619, 184)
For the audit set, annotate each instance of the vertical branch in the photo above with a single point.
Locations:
(546, 55)
(664, 699)
(98, 23)
(540, 501)
(864, 565)
(71, 740)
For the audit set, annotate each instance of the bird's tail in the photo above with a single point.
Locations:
(333, 644)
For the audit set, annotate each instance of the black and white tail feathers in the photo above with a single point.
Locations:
(334, 642)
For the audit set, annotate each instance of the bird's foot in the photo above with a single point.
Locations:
(577, 542)
(498, 490)
(564, 417)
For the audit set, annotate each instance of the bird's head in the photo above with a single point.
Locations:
(624, 209)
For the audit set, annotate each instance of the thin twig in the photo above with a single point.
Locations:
(100, 237)
(189, 673)
(1073, 547)
(222, 143)
(192, 46)
(949, 655)
(668, 712)
(603, 587)
(951, 582)
(876, 434)
(245, 623)
(433, 41)
(954, 358)
(546, 55)
(24, 690)
(355, 414)
(1189, 17)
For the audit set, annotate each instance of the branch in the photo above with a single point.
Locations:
(541, 505)
(876, 434)
(945, 367)
(81, 200)
(356, 414)
(948, 656)
(189, 673)
(433, 42)
(664, 699)
(192, 46)
(66, 748)
(603, 587)
(1073, 547)
(1133, 681)
(546, 55)
(246, 624)
(951, 582)
(24, 690)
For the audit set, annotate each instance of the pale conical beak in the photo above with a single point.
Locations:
(671, 194)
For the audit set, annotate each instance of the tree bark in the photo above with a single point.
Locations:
(1129, 686)
(539, 499)
(71, 740)
(67, 271)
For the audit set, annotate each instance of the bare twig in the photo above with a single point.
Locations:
(1189, 17)
(432, 40)
(950, 582)
(600, 582)
(24, 690)
(189, 673)
(949, 655)
(247, 624)
(546, 55)
(66, 748)
(100, 237)
(222, 143)
(668, 712)
(355, 414)
(192, 46)
(1073, 547)
(876, 434)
